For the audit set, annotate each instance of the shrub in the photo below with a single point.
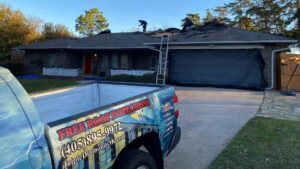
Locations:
(16, 69)
(148, 78)
(4, 57)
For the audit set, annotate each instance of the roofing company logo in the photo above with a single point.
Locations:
(167, 107)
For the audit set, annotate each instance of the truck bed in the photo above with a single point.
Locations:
(53, 106)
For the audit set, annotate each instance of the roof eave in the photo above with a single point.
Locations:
(229, 42)
(46, 48)
(110, 48)
(87, 48)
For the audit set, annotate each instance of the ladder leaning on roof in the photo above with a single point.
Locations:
(163, 60)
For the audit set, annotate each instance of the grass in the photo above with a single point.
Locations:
(263, 143)
(148, 78)
(38, 85)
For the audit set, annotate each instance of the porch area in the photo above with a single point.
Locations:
(91, 63)
(103, 64)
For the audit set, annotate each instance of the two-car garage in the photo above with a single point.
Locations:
(237, 68)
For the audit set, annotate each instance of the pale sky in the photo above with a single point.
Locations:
(122, 15)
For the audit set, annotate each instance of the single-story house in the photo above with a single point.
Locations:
(213, 55)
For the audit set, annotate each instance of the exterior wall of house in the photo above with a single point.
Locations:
(127, 60)
(267, 56)
(102, 61)
(140, 61)
(35, 60)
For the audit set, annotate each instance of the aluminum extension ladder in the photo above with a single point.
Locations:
(163, 60)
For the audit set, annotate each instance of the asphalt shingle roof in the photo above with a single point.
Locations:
(205, 35)
(101, 41)
(228, 35)
(50, 44)
(116, 40)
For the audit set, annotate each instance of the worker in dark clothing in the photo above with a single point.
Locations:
(143, 24)
(187, 24)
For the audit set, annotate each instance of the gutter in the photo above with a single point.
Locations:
(273, 66)
(109, 48)
(87, 48)
(156, 50)
(227, 42)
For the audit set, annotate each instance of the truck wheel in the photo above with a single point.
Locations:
(135, 159)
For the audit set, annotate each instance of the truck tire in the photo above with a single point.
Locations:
(135, 159)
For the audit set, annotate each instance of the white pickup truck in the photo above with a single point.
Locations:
(100, 125)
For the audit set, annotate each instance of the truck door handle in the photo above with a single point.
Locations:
(36, 157)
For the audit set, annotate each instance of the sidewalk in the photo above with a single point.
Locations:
(279, 106)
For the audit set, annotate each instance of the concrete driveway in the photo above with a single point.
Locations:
(209, 119)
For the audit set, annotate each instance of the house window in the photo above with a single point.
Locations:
(52, 61)
(124, 61)
(114, 61)
(105, 61)
(153, 62)
(35, 60)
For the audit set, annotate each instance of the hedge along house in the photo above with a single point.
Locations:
(213, 55)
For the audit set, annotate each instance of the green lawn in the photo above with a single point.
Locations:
(263, 143)
(37, 85)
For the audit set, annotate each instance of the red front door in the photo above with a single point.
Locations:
(88, 64)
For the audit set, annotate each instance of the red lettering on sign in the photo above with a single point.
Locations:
(97, 121)
(71, 130)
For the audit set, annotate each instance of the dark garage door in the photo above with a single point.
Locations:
(224, 68)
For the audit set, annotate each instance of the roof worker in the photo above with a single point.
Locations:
(143, 24)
